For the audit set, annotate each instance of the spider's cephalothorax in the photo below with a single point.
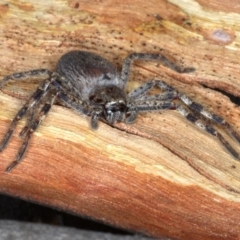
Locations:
(91, 85)
(96, 82)
(109, 103)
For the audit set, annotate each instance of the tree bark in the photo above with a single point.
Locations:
(161, 176)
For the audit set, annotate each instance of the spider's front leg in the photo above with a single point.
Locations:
(150, 57)
(192, 117)
(191, 111)
(213, 117)
(139, 101)
(139, 94)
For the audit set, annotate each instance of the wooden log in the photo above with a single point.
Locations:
(160, 176)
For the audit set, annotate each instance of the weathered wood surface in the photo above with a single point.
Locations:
(160, 176)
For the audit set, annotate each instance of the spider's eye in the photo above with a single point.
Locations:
(98, 100)
(128, 114)
(95, 99)
(107, 76)
(114, 110)
(116, 107)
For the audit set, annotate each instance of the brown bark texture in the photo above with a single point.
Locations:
(160, 176)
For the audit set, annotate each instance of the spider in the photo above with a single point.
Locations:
(91, 85)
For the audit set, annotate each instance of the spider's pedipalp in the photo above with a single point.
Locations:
(94, 121)
(131, 116)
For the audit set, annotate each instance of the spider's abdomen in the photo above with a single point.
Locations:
(85, 71)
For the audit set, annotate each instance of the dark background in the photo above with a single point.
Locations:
(17, 209)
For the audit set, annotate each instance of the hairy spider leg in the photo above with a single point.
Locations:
(172, 93)
(164, 96)
(153, 106)
(190, 116)
(25, 75)
(149, 57)
(148, 107)
(139, 94)
(31, 114)
(169, 95)
(27, 131)
(140, 102)
(215, 118)
(33, 111)
(36, 97)
(138, 97)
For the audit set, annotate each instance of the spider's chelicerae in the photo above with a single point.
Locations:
(91, 85)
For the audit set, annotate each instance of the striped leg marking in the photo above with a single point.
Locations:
(213, 117)
(204, 126)
(27, 131)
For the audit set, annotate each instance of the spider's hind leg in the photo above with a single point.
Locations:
(25, 75)
(34, 100)
(27, 131)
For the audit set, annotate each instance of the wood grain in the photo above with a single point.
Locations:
(160, 176)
